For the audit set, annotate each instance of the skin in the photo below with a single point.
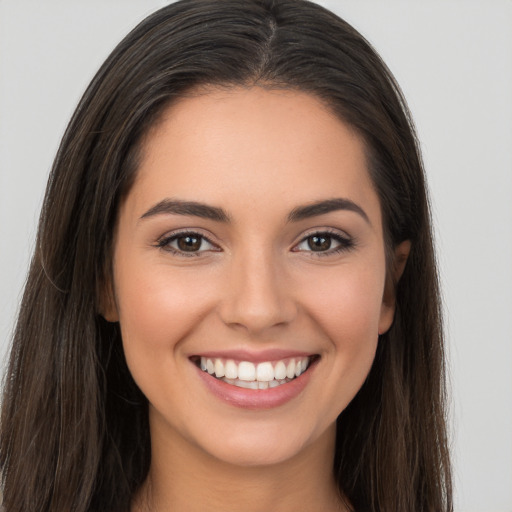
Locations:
(256, 285)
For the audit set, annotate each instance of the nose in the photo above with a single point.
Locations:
(257, 295)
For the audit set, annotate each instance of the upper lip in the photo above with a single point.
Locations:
(259, 356)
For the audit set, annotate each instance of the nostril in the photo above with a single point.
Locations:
(256, 297)
(257, 317)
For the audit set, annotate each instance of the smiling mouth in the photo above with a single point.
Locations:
(249, 375)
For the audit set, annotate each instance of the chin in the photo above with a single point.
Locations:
(264, 444)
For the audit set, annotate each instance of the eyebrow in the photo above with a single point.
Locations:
(177, 207)
(197, 209)
(326, 206)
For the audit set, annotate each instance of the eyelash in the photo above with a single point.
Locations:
(345, 243)
(165, 242)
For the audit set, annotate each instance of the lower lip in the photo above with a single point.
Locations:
(256, 398)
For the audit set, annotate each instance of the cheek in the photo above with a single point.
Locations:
(156, 311)
(346, 308)
(352, 327)
(347, 303)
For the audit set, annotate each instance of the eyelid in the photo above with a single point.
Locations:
(325, 230)
(345, 241)
(164, 241)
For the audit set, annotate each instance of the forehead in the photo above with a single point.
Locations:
(253, 145)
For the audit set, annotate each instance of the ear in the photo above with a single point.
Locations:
(107, 303)
(387, 312)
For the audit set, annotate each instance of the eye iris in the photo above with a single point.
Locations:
(319, 242)
(189, 243)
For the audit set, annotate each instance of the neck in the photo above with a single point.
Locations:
(183, 478)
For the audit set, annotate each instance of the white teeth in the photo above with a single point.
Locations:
(219, 368)
(280, 371)
(255, 384)
(290, 369)
(248, 375)
(247, 384)
(231, 369)
(246, 371)
(301, 366)
(265, 372)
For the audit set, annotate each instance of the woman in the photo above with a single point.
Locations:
(238, 203)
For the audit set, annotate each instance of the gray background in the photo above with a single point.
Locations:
(453, 60)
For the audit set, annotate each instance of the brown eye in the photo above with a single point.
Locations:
(189, 243)
(319, 242)
(324, 243)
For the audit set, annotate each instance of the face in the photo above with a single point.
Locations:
(249, 274)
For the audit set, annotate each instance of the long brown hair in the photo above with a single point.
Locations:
(74, 426)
